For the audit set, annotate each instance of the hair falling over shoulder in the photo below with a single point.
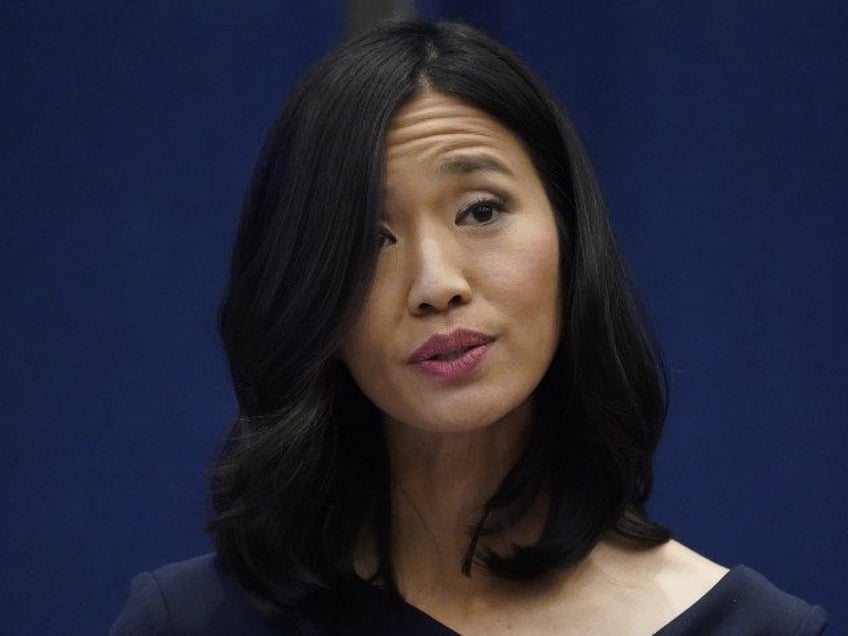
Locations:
(304, 467)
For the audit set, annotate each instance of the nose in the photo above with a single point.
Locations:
(438, 281)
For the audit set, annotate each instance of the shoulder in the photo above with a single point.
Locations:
(197, 596)
(668, 578)
(710, 599)
(684, 575)
(745, 602)
(678, 592)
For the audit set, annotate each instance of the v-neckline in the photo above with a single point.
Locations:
(710, 597)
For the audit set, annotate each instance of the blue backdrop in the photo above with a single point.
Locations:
(719, 130)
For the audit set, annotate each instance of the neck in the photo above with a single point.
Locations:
(440, 483)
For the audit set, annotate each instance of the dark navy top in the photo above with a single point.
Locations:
(200, 597)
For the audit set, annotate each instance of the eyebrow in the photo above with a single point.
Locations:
(467, 164)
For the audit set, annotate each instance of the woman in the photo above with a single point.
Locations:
(449, 401)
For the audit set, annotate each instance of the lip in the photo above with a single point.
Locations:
(469, 348)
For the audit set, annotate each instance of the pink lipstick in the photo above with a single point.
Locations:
(452, 356)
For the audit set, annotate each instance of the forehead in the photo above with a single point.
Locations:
(431, 127)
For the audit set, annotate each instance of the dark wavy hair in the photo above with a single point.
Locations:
(304, 468)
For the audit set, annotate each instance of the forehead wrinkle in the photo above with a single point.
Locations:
(432, 145)
(454, 124)
(434, 118)
(448, 137)
(439, 120)
(444, 108)
(469, 163)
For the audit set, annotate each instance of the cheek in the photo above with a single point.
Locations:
(360, 345)
(526, 277)
(365, 348)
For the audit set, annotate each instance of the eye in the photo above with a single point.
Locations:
(481, 212)
(385, 238)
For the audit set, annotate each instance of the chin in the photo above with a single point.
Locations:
(467, 419)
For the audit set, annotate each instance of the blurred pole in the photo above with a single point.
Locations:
(362, 14)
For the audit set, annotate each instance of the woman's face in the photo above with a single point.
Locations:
(462, 319)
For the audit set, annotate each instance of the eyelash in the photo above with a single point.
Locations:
(496, 204)
(384, 237)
